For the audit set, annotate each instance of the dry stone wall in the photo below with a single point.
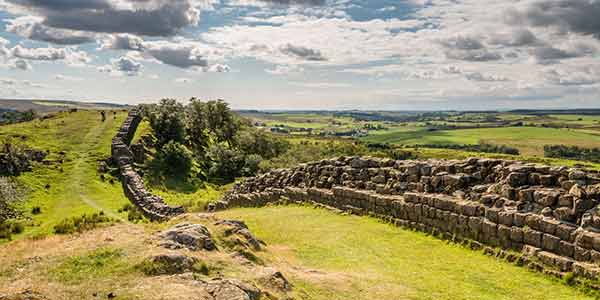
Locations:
(152, 206)
(550, 213)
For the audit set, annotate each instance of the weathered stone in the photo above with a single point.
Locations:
(191, 236)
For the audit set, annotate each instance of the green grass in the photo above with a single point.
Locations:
(71, 188)
(426, 153)
(529, 140)
(361, 258)
(100, 263)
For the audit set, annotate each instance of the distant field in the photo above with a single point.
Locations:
(47, 106)
(529, 140)
(360, 258)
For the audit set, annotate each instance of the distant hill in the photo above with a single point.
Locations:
(47, 106)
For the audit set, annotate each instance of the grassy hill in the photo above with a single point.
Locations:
(323, 254)
(46, 106)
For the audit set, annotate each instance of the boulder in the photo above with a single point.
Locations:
(238, 234)
(191, 236)
(231, 289)
(167, 264)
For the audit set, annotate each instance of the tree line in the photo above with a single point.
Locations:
(572, 152)
(207, 140)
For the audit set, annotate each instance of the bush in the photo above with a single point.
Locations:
(175, 160)
(134, 215)
(7, 229)
(482, 147)
(82, 223)
(36, 210)
(572, 152)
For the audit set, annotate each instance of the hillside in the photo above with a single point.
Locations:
(46, 106)
(320, 253)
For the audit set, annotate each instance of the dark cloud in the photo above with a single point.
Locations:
(178, 55)
(63, 4)
(302, 53)
(582, 16)
(143, 17)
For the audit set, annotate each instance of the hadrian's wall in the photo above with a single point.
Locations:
(550, 213)
(152, 206)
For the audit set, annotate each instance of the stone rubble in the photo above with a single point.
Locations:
(501, 203)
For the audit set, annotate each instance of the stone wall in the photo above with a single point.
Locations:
(550, 213)
(152, 206)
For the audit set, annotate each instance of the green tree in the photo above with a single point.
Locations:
(167, 120)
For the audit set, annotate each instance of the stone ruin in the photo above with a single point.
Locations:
(152, 206)
(549, 213)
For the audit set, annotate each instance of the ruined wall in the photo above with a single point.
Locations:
(152, 206)
(548, 212)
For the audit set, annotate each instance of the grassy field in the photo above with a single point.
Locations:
(324, 255)
(529, 140)
(360, 258)
(73, 187)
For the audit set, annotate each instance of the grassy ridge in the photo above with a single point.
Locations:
(73, 187)
(361, 258)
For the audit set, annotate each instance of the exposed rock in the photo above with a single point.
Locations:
(170, 263)
(238, 234)
(231, 289)
(275, 280)
(191, 236)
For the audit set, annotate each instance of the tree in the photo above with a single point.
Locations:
(167, 120)
(175, 160)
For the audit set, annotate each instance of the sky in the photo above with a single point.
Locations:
(305, 54)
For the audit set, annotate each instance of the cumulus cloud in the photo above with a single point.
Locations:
(182, 55)
(573, 76)
(567, 15)
(38, 53)
(143, 17)
(480, 55)
(21, 64)
(478, 76)
(123, 42)
(33, 29)
(302, 53)
(124, 65)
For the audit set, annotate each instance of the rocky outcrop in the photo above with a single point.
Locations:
(152, 206)
(191, 236)
(550, 211)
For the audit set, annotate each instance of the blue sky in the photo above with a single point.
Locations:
(305, 54)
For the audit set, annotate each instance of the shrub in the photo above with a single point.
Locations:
(82, 223)
(481, 147)
(134, 215)
(36, 210)
(572, 152)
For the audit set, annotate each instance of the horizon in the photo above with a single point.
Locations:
(306, 54)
